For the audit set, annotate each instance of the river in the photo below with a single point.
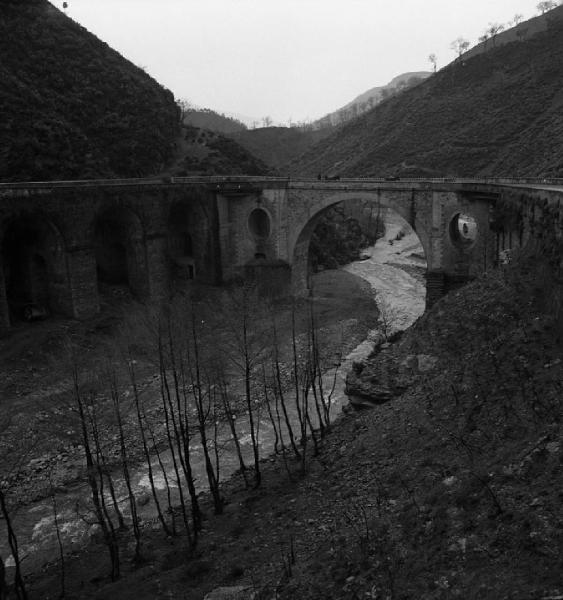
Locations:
(394, 288)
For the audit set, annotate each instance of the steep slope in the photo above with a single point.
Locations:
(204, 152)
(498, 113)
(277, 146)
(206, 118)
(450, 490)
(70, 106)
(372, 97)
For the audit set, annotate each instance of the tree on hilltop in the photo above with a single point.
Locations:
(459, 45)
(546, 5)
(434, 60)
(493, 30)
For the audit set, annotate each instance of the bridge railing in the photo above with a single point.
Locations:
(237, 179)
(486, 180)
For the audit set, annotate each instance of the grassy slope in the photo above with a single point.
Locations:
(205, 152)
(276, 146)
(205, 118)
(499, 113)
(71, 106)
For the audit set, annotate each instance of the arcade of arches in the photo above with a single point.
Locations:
(61, 242)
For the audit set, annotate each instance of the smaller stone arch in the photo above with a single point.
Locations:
(34, 277)
(118, 238)
(259, 225)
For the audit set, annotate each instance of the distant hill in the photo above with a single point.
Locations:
(497, 113)
(200, 151)
(207, 118)
(371, 98)
(71, 107)
(277, 146)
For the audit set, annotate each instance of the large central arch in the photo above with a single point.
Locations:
(401, 202)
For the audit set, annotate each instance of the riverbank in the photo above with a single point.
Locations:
(451, 490)
(344, 312)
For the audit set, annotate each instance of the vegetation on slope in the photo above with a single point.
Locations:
(371, 98)
(206, 118)
(71, 106)
(498, 113)
(342, 232)
(450, 490)
(277, 146)
(204, 152)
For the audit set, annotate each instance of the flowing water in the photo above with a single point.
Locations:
(397, 291)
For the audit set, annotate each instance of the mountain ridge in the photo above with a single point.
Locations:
(482, 116)
(72, 107)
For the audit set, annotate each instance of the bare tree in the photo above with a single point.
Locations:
(546, 5)
(522, 33)
(185, 106)
(434, 60)
(459, 45)
(388, 318)
(517, 18)
(19, 584)
(244, 348)
(493, 30)
(95, 481)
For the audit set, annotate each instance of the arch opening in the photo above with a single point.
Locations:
(395, 209)
(34, 269)
(343, 232)
(259, 224)
(394, 263)
(119, 252)
(463, 230)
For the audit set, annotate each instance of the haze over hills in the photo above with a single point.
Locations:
(496, 113)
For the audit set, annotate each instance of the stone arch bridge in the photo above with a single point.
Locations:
(64, 244)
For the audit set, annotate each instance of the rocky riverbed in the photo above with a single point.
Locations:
(397, 292)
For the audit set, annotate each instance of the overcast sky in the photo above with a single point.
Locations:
(287, 59)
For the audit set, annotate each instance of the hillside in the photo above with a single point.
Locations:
(71, 106)
(497, 113)
(277, 146)
(200, 151)
(371, 98)
(450, 490)
(205, 118)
